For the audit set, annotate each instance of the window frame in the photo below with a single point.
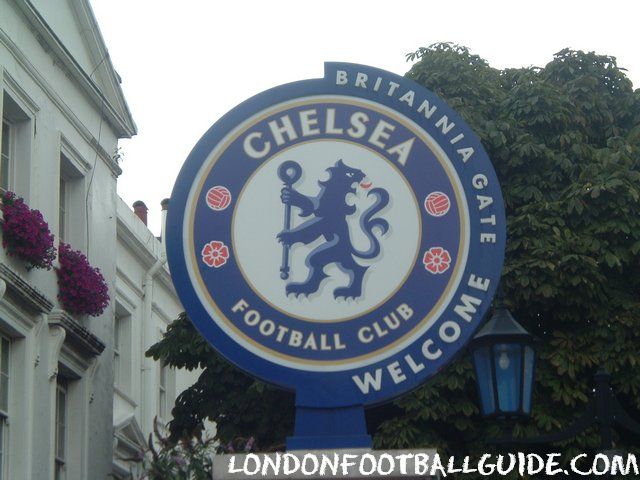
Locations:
(63, 209)
(76, 371)
(5, 341)
(72, 219)
(18, 111)
(6, 154)
(122, 350)
(60, 462)
(117, 356)
(5, 354)
(163, 391)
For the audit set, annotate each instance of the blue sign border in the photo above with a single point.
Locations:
(337, 389)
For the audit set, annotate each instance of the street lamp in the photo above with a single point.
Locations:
(504, 361)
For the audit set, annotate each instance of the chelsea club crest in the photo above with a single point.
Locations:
(342, 237)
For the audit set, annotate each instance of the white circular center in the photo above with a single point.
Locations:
(259, 217)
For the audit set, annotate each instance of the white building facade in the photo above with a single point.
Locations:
(76, 393)
(145, 303)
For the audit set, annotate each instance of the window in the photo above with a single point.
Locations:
(5, 158)
(4, 401)
(61, 429)
(71, 199)
(122, 349)
(162, 391)
(62, 209)
(117, 348)
(16, 145)
(71, 203)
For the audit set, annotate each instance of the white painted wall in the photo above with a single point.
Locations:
(146, 298)
(55, 72)
(58, 111)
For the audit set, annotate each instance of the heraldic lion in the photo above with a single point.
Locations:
(330, 211)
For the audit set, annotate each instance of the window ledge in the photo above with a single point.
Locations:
(32, 297)
(77, 335)
(125, 396)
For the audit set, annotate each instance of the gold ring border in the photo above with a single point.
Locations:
(288, 105)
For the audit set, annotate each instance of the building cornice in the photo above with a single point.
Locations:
(38, 78)
(123, 126)
(25, 293)
(165, 277)
(130, 284)
(137, 246)
(129, 436)
(84, 10)
(143, 244)
(77, 336)
(140, 250)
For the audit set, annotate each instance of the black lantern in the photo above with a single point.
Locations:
(504, 361)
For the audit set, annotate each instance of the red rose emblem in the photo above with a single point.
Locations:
(436, 260)
(215, 254)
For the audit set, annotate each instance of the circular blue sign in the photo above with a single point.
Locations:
(342, 237)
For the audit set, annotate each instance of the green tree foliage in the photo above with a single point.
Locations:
(241, 406)
(565, 142)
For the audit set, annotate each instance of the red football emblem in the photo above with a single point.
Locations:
(437, 204)
(218, 198)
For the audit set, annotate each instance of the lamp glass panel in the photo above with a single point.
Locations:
(529, 361)
(508, 366)
(482, 360)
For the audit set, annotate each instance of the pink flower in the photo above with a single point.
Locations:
(437, 260)
(215, 254)
(25, 233)
(250, 443)
(82, 288)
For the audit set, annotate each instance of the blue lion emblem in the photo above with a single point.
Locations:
(330, 211)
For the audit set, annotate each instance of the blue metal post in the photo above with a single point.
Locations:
(329, 428)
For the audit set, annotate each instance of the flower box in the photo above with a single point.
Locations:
(25, 234)
(82, 288)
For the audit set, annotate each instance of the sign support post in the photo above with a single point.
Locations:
(327, 428)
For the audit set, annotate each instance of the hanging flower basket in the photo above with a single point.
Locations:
(82, 288)
(25, 234)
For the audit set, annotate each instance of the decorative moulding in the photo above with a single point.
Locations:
(37, 77)
(121, 122)
(57, 334)
(129, 434)
(24, 292)
(77, 336)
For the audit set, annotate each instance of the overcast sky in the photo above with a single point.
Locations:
(184, 64)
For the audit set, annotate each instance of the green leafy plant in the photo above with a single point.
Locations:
(241, 406)
(565, 142)
(189, 458)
